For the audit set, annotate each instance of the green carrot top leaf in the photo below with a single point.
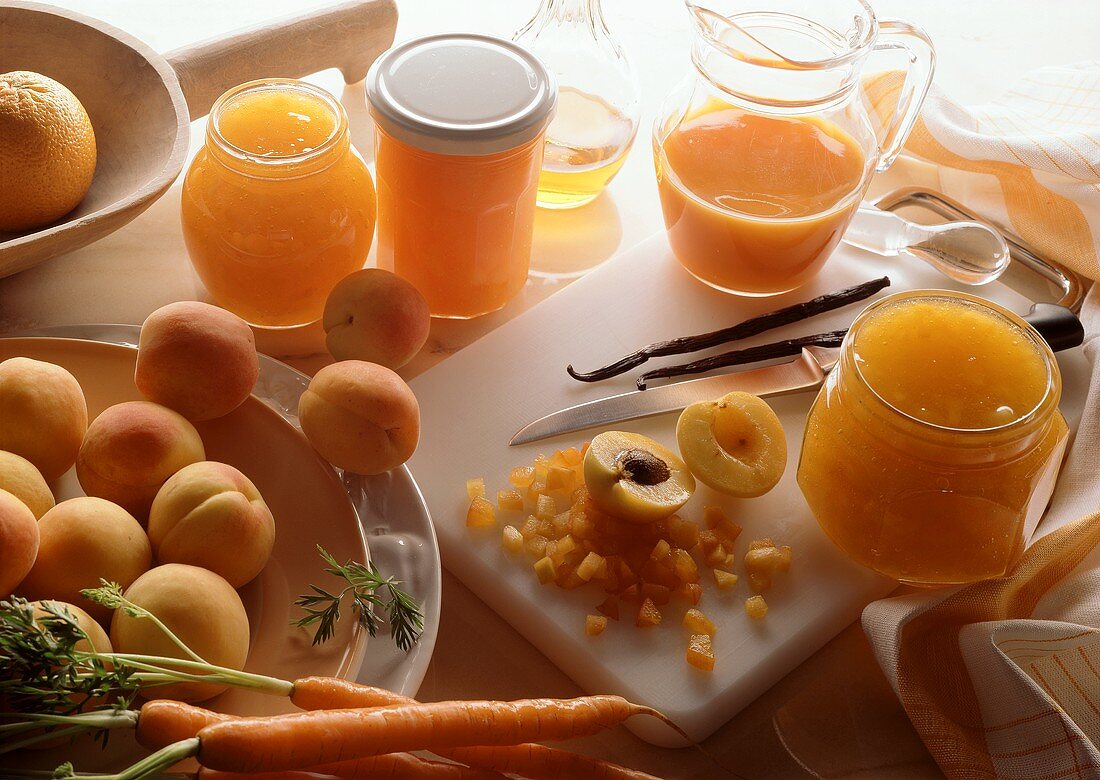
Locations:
(367, 589)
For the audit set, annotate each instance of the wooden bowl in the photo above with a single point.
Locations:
(141, 103)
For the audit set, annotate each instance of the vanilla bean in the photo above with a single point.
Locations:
(739, 357)
(742, 330)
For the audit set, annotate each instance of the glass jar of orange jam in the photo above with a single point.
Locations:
(933, 448)
(277, 206)
(460, 121)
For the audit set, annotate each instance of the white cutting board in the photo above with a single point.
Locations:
(473, 402)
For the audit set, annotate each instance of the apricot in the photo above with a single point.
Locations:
(196, 605)
(44, 413)
(734, 445)
(83, 540)
(19, 542)
(635, 478)
(197, 359)
(96, 640)
(19, 477)
(360, 417)
(131, 449)
(376, 316)
(211, 515)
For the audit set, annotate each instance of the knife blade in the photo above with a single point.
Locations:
(805, 372)
(1059, 326)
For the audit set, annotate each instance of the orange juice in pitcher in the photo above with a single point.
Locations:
(764, 153)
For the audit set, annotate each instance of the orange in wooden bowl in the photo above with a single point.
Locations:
(47, 150)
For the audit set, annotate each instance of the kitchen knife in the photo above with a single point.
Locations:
(1056, 324)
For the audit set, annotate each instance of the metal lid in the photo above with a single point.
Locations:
(461, 93)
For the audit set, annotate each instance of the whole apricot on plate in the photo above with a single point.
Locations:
(209, 514)
(197, 359)
(19, 541)
(47, 151)
(19, 477)
(360, 417)
(196, 605)
(44, 414)
(85, 539)
(635, 478)
(734, 445)
(375, 316)
(131, 449)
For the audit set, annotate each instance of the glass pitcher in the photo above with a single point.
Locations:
(764, 152)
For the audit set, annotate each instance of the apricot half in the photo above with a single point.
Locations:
(634, 478)
(734, 445)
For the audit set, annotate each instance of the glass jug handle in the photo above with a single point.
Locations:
(895, 34)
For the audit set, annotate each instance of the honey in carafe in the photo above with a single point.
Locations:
(755, 204)
(586, 145)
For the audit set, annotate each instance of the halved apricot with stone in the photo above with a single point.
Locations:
(734, 445)
(634, 478)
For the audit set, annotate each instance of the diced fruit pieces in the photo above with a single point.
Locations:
(610, 607)
(724, 579)
(545, 570)
(480, 514)
(545, 507)
(698, 623)
(684, 566)
(511, 539)
(509, 501)
(683, 533)
(562, 548)
(530, 527)
(756, 607)
(692, 591)
(712, 515)
(522, 476)
(594, 624)
(648, 614)
(661, 551)
(560, 478)
(594, 566)
(658, 594)
(700, 652)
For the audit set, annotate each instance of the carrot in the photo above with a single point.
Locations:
(164, 721)
(539, 762)
(391, 766)
(313, 738)
(332, 693)
(530, 760)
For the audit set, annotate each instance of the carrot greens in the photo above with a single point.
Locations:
(368, 590)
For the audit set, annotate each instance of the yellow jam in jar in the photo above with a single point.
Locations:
(932, 449)
(277, 207)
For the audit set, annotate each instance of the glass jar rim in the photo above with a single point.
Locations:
(1010, 318)
(278, 162)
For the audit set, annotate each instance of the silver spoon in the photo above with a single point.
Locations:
(968, 252)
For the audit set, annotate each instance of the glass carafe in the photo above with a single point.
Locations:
(597, 114)
(764, 152)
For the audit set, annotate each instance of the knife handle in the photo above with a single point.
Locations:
(1058, 326)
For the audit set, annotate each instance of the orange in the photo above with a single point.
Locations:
(47, 151)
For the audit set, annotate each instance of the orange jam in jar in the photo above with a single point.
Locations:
(458, 149)
(755, 204)
(933, 448)
(277, 206)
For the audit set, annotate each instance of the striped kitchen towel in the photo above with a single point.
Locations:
(1002, 678)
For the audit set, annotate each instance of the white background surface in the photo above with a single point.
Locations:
(983, 46)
